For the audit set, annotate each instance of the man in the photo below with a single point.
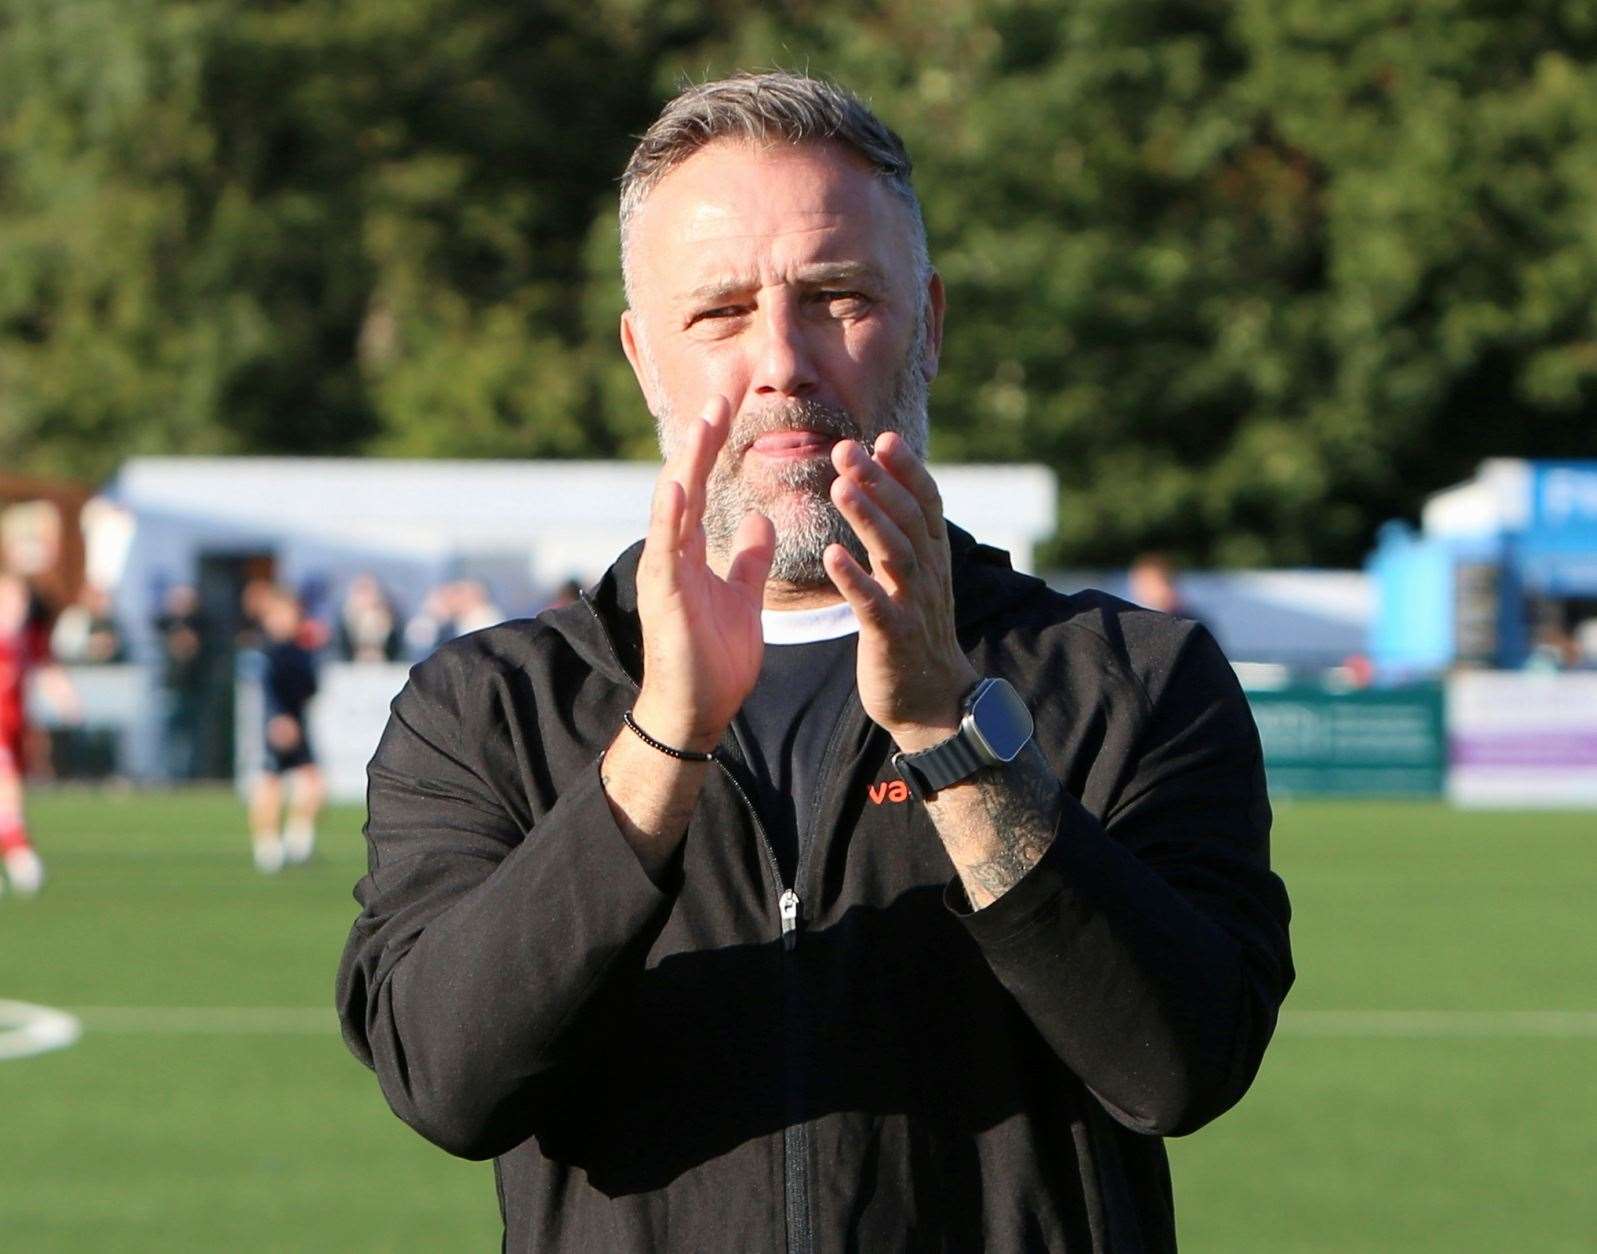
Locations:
(1152, 582)
(368, 628)
(185, 635)
(288, 682)
(694, 904)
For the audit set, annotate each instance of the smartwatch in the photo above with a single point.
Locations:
(994, 729)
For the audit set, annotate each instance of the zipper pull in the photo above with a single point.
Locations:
(790, 918)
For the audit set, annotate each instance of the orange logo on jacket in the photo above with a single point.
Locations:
(893, 790)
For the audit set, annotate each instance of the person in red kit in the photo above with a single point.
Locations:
(24, 648)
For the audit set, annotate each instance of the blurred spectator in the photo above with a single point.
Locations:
(86, 633)
(567, 593)
(288, 682)
(184, 634)
(252, 608)
(368, 628)
(1586, 642)
(474, 608)
(314, 633)
(1554, 649)
(1357, 670)
(427, 626)
(451, 610)
(1151, 582)
(24, 649)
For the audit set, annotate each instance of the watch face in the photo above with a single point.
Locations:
(1000, 720)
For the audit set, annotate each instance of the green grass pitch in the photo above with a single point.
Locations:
(1419, 1095)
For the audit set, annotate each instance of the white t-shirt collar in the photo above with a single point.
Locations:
(830, 622)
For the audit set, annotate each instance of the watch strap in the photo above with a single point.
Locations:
(934, 769)
(948, 761)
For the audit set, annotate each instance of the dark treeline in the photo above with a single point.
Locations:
(1252, 277)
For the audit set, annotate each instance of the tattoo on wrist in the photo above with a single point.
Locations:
(1021, 802)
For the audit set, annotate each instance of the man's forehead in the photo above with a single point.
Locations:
(732, 199)
(824, 175)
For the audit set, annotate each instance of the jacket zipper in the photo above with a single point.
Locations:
(790, 907)
(800, 1238)
(789, 903)
(795, 1135)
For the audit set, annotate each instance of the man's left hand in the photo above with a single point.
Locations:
(913, 675)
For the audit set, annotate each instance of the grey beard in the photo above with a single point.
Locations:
(797, 498)
(800, 502)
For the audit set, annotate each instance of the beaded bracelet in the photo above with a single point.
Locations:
(686, 755)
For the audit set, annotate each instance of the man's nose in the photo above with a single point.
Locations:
(784, 363)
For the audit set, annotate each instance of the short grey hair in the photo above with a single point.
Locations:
(771, 107)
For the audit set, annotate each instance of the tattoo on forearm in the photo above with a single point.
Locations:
(1021, 803)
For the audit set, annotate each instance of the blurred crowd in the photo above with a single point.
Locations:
(200, 649)
(199, 643)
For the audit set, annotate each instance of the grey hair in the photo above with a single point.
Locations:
(765, 108)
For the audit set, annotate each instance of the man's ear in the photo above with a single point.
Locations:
(936, 305)
(633, 348)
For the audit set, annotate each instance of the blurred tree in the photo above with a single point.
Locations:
(314, 226)
(1250, 276)
(103, 346)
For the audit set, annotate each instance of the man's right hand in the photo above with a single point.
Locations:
(702, 641)
(702, 645)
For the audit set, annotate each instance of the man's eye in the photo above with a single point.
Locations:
(842, 301)
(721, 311)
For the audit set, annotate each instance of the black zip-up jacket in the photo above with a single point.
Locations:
(662, 1068)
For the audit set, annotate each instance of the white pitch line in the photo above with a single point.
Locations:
(211, 1020)
(1439, 1024)
(26, 1029)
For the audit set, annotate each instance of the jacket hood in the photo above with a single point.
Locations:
(604, 629)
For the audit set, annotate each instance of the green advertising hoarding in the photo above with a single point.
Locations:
(1362, 742)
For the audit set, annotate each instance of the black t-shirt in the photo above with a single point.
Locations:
(290, 679)
(783, 731)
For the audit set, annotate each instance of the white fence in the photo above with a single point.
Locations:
(1522, 739)
(124, 700)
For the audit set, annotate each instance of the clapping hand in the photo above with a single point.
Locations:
(702, 641)
(913, 675)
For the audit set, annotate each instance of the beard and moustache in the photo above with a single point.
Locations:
(796, 495)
